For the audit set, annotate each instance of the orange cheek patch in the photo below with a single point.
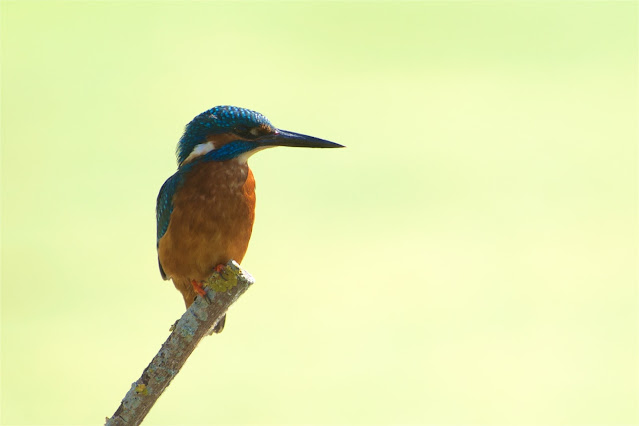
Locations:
(221, 139)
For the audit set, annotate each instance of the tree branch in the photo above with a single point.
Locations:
(197, 322)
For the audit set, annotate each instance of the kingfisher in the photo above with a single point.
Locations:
(205, 211)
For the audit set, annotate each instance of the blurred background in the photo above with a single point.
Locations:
(471, 257)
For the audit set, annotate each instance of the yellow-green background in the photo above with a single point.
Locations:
(471, 257)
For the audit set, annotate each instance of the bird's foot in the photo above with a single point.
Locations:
(199, 289)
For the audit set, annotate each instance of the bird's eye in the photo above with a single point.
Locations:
(246, 132)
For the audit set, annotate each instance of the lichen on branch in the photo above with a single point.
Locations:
(223, 289)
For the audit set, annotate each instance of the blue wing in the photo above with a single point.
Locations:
(164, 208)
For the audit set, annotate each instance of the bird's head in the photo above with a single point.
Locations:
(226, 132)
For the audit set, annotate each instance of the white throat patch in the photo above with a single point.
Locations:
(243, 158)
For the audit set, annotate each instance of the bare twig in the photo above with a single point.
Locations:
(197, 322)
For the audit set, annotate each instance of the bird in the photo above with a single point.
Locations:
(206, 209)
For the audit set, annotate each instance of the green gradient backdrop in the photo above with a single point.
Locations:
(470, 258)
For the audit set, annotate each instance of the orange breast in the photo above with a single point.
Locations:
(211, 222)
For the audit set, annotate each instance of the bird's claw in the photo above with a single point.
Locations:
(220, 271)
(199, 289)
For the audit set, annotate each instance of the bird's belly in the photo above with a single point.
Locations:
(211, 223)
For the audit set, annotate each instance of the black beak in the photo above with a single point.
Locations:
(286, 138)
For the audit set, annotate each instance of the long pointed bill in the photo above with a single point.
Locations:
(286, 138)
